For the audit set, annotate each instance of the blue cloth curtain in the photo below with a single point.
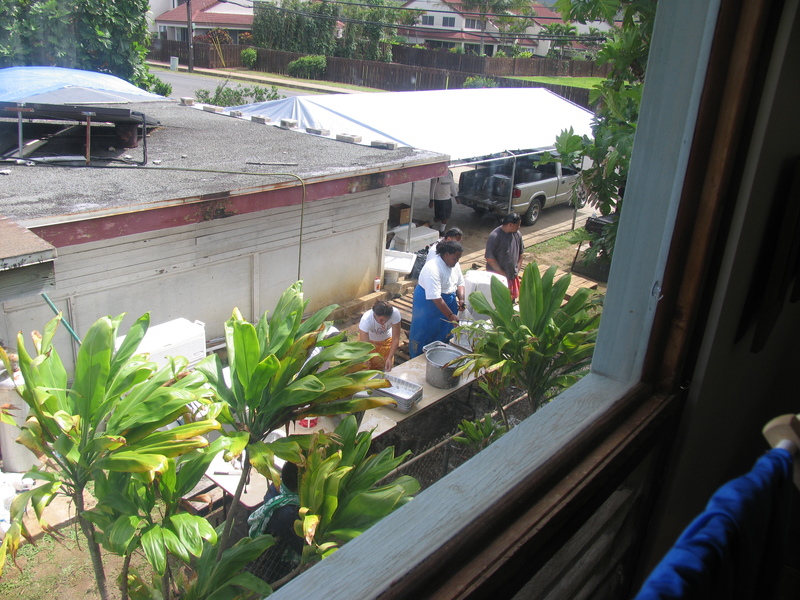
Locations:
(734, 549)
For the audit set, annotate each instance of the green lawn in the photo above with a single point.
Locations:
(578, 82)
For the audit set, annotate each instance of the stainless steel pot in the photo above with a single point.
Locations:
(437, 355)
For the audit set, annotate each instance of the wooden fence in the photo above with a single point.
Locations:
(394, 76)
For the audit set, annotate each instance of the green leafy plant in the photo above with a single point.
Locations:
(238, 95)
(479, 81)
(544, 346)
(215, 36)
(308, 67)
(218, 577)
(106, 421)
(617, 97)
(340, 495)
(480, 433)
(249, 57)
(274, 379)
(94, 35)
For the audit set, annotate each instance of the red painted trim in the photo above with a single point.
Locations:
(196, 210)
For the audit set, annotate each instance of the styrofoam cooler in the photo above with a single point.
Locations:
(420, 237)
(16, 457)
(480, 281)
(179, 337)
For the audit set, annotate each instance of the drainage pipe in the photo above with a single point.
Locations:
(63, 320)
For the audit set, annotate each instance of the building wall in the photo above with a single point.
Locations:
(202, 271)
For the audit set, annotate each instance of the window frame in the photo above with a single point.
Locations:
(449, 22)
(534, 455)
(476, 24)
(431, 18)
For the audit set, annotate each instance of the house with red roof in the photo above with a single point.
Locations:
(450, 25)
(205, 16)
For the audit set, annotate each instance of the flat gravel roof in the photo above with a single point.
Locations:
(191, 153)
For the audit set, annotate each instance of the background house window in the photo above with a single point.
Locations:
(427, 19)
(472, 24)
(448, 21)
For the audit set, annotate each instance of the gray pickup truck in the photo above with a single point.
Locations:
(487, 186)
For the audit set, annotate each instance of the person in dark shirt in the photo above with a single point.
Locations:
(280, 510)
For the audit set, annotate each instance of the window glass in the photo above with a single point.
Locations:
(472, 24)
(427, 20)
(448, 21)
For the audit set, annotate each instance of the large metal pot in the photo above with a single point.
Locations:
(438, 354)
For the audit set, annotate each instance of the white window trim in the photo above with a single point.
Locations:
(445, 18)
(369, 566)
(432, 18)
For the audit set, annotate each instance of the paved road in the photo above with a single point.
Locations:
(186, 84)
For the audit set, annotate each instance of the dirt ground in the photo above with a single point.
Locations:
(62, 569)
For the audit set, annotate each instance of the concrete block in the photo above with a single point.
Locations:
(212, 108)
(318, 131)
(386, 144)
(236, 113)
(348, 137)
(259, 119)
(289, 123)
(187, 101)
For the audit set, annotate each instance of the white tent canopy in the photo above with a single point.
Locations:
(463, 124)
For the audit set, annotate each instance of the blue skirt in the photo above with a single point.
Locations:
(427, 321)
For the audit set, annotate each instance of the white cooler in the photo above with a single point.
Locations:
(179, 337)
(479, 281)
(420, 238)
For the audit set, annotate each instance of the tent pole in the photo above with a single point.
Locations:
(410, 216)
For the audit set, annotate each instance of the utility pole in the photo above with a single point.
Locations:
(190, 34)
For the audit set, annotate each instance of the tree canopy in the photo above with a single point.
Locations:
(616, 99)
(108, 36)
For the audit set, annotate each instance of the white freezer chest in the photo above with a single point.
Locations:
(179, 337)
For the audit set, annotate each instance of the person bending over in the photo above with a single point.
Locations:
(381, 327)
(438, 297)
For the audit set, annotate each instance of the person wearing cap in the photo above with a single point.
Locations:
(504, 249)
(438, 298)
(454, 234)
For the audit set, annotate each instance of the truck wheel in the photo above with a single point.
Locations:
(580, 198)
(532, 214)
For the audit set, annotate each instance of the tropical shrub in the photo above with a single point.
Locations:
(479, 81)
(238, 95)
(308, 67)
(276, 377)
(215, 36)
(340, 495)
(105, 424)
(545, 346)
(480, 433)
(249, 57)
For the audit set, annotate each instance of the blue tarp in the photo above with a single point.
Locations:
(57, 85)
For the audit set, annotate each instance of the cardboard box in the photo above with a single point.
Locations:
(400, 213)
